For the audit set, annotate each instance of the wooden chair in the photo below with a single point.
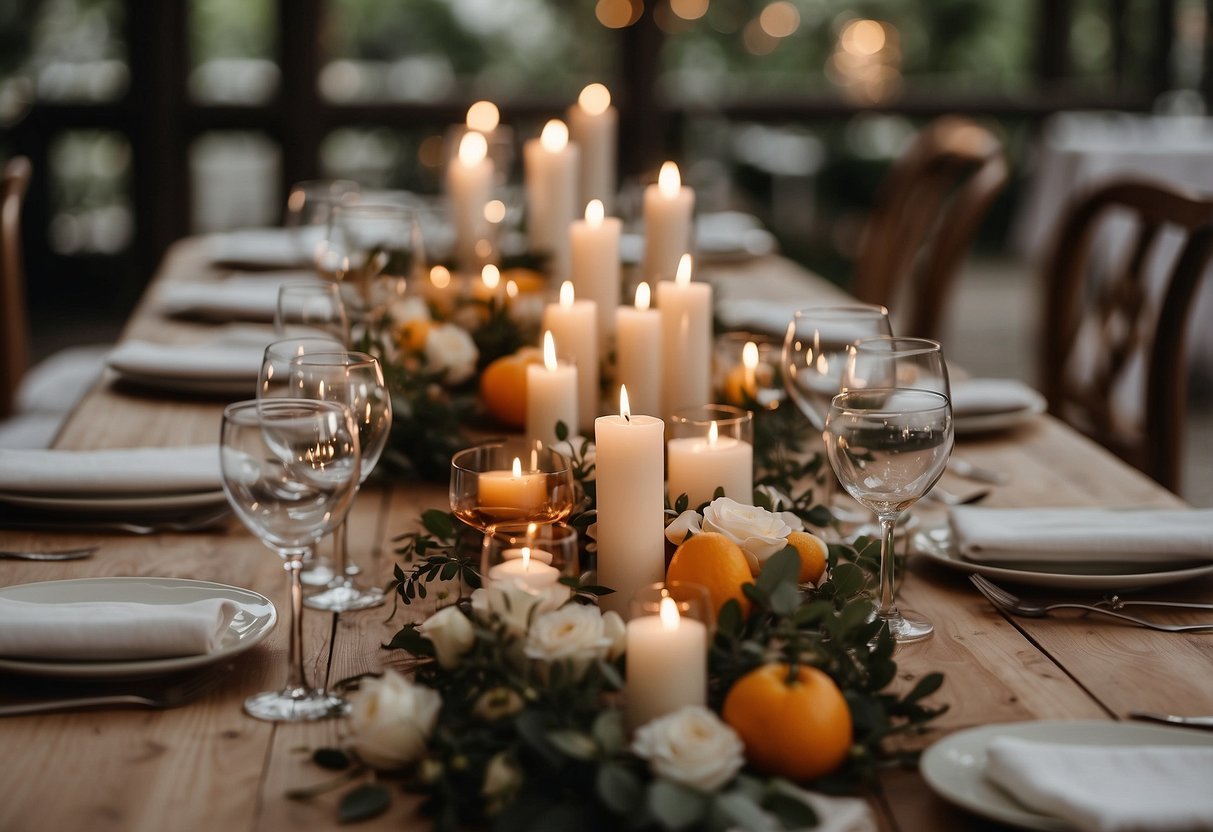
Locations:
(927, 212)
(14, 339)
(1114, 326)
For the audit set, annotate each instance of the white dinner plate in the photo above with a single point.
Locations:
(126, 504)
(955, 767)
(254, 619)
(936, 544)
(999, 420)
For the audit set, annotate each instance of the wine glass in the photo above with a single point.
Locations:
(311, 309)
(290, 467)
(891, 361)
(309, 209)
(888, 447)
(355, 380)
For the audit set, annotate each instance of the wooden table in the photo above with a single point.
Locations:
(208, 766)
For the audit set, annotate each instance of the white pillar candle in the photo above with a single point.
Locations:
(638, 352)
(667, 664)
(593, 126)
(551, 191)
(469, 183)
(686, 340)
(525, 568)
(631, 503)
(509, 495)
(595, 266)
(667, 223)
(574, 325)
(551, 396)
(699, 465)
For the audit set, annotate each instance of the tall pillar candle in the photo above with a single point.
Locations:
(638, 352)
(667, 224)
(631, 503)
(686, 340)
(593, 126)
(551, 190)
(551, 396)
(469, 183)
(574, 325)
(595, 266)
(667, 664)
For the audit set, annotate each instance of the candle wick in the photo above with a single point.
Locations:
(627, 418)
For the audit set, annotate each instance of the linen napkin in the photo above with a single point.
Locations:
(112, 630)
(262, 248)
(112, 471)
(984, 396)
(215, 360)
(1129, 537)
(1108, 788)
(234, 299)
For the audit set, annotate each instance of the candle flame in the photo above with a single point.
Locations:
(669, 614)
(595, 99)
(491, 276)
(594, 212)
(494, 211)
(473, 148)
(644, 296)
(483, 116)
(625, 407)
(526, 559)
(713, 433)
(511, 289)
(683, 276)
(516, 471)
(749, 355)
(567, 294)
(549, 350)
(555, 136)
(669, 181)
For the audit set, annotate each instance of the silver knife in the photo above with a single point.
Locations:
(1205, 722)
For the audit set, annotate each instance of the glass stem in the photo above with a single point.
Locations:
(886, 609)
(341, 549)
(296, 681)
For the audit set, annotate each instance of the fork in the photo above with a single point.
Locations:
(170, 696)
(949, 499)
(50, 554)
(1007, 602)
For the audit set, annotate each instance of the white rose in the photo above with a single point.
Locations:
(683, 525)
(574, 633)
(497, 703)
(409, 308)
(759, 533)
(691, 746)
(516, 605)
(572, 446)
(451, 634)
(502, 778)
(449, 348)
(392, 720)
(616, 632)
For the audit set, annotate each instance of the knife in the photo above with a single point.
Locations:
(1205, 722)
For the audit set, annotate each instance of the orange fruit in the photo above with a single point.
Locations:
(528, 281)
(503, 386)
(795, 726)
(713, 561)
(812, 550)
(411, 334)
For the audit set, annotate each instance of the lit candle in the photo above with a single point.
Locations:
(631, 503)
(593, 125)
(483, 117)
(699, 465)
(551, 191)
(667, 223)
(551, 395)
(469, 183)
(511, 494)
(525, 567)
(638, 352)
(438, 290)
(489, 287)
(667, 664)
(686, 339)
(574, 325)
(595, 267)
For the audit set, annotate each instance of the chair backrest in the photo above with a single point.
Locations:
(14, 335)
(1125, 265)
(927, 211)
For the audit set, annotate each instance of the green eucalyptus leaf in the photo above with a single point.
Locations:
(848, 579)
(926, 686)
(438, 523)
(334, 759)
(781, 568)
(729, 620)
(609, 732)
(674, 806)
(738, 810)
(855, 613)
(574, 744)
(562, 431)
(363, 803)
(785, 599)
(619, 788)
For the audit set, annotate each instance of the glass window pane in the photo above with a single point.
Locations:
(233, 48)
(90, 193)
(234, 180)
(73, 52)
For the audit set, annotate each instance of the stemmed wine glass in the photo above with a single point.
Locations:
(290, 468)
(311, 309)
(889, 446)
(309, 210)
(355, 380)
(892, 361)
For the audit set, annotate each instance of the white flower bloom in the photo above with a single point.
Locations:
(501, 778)
(449, 348)
(516, 605)
(571, 447)
(497, 703)
(691, 746)
(759, 533)
(573, 633)
(392, 720)
(683, 525)
(617, 632)
(451, 633)
(409, 308)
(779, 500)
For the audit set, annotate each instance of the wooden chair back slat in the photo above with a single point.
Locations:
(14, 337)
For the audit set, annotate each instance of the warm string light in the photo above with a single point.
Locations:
(483, 117)
(594, 99)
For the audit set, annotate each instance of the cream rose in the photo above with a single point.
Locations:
(684, 524)
(451, 633)
(616, 633)
(502, 778)
(409, 308)
(574, 633)
(517, 606)
(449, 349)
(392, 720)
(759, 533)
(691, 746)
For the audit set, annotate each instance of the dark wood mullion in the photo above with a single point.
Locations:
(299, 127)
(643, 121)
(1160, 54)
(1054, 18)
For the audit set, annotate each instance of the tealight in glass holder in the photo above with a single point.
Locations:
(745, 370)
(530, 555)
(711, 447)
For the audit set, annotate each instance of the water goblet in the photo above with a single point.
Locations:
(311, 309)
(892, 361)
(309, 209)
(888, 447)
(290, 467)
(355, 380)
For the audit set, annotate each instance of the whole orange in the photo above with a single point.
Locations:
(503, 386)
(713, 561)
(812, 550)
(794, 725)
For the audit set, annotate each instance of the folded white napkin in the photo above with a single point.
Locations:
(112, 471)
(1142, 537)
(234, 299)
(263, 248)
(216, 360)
(110, 630)
(983, 396)
(1108, 788)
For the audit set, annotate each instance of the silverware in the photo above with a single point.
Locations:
(946, 497)
(51, 554)
(1115, 602)
(197, 523)
(1171, 719)
(1007, 602)
(966, 469)
(171, 696)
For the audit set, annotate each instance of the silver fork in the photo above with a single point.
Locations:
(171, 696)
(50, 554)
(949, 499)
(1007, 602)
